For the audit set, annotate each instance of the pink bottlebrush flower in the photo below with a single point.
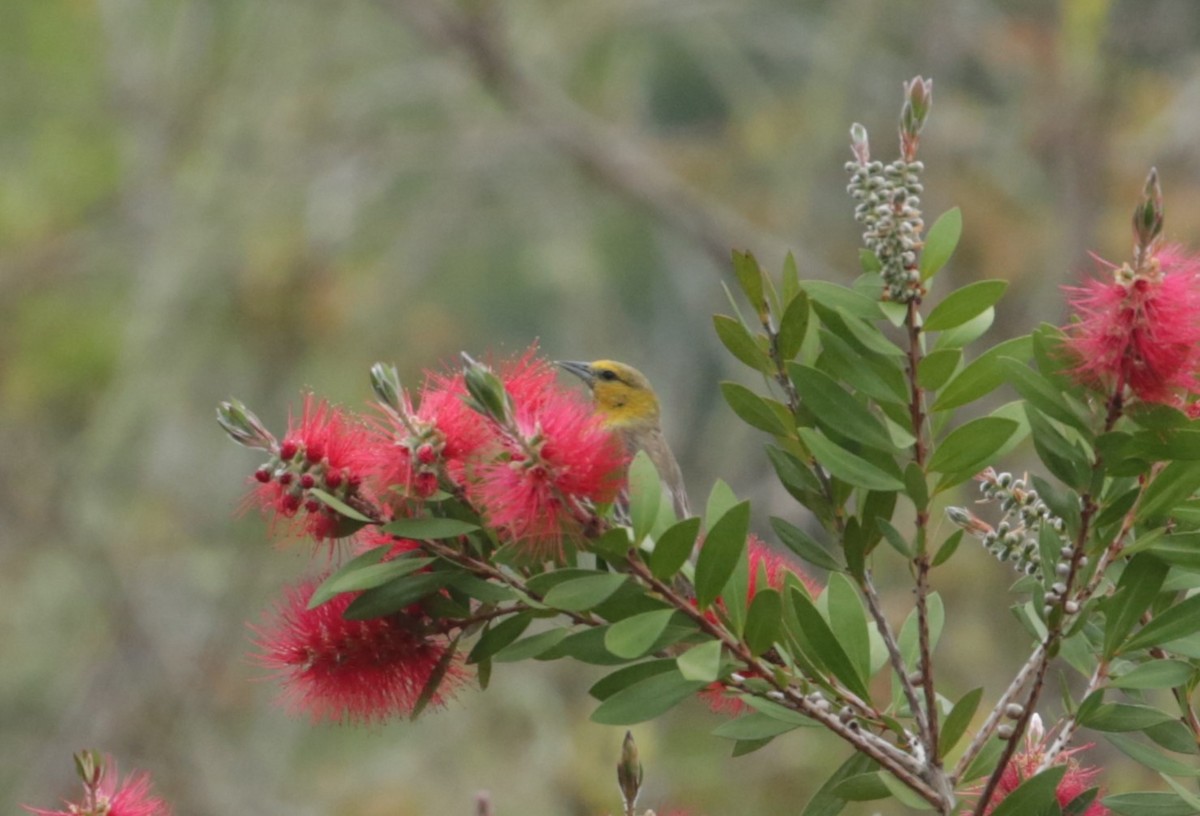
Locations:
(112, 796)
(1141, 330)
(557, 462)
(775, 566)
(325, 449)
(349, 670)
(1026, 763)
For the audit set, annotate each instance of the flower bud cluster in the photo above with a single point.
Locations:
(1015, 537)
(888, 205)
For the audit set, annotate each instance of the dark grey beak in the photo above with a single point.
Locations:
(581, 370)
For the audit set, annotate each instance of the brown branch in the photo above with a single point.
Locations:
(603, 152)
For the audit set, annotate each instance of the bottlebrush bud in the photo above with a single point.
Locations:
(487, 394)
(244, 427)
(1148, 215)
(385, 382)
(629, 771)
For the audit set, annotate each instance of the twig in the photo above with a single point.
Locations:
(897, 659)
(1071, 723)
(602, 151)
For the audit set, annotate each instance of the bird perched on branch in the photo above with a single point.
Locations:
(629, 408)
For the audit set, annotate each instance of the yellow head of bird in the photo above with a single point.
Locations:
(622, 394)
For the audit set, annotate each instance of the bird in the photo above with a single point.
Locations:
(628, 406)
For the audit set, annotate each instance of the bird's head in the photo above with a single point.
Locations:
(622, 394)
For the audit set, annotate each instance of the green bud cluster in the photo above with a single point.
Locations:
(889, 208)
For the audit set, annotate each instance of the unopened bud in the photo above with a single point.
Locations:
(1148, 216)
(1014, 710)
(859, 144)
(487, 394)
(244, 427)
(1005, 731)
(629, 772)
(90, 767)
(385, 382)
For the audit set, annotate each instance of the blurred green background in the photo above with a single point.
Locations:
(204, 198)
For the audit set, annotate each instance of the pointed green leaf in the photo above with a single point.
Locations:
(1140, 582)
(625, 677)
(937, 368)
(499, 636)
(793, 326)
(940, 242)
(633, 636)
(1175, 483)
(530, 647)
(753, 409)
(1151, 757)
(968, 332)
(1154, 675)
(1177, 622)
(1148, 804)
(396, 595)
(720, 500)
(673, 548)
(1033, 794)
(645, 494)
(723, 546)
(754, 726)
(764, 620)
(971, 446)
(429, 528)
(581, 594)
(646, 699)
(834, 296)
(1122, 717)
(750, 277)
(741, 343)
(701, 662)
(847, 466)
(834, 408)
(824, 801)
(340, 506)
(848, 622)
(958, 720)
(963, 304)
(982, 375)
(804, 545)
(826, 644)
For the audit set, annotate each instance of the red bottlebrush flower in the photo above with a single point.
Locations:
(440, 429)
(372, 537)
(1026, 762)
(1141, 330)
(112, 796)
(324, 449)
(538, 490)
(339, 670)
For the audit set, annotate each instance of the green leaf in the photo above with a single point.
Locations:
(793, 326)
(741, 343)
(863, 788)
(1062, 458)
(750, 278)
(635, 635)
(396, 595)
(790, 277)
(1032, 795)
(826, 644)
(429, 528)
(983, 375)
(1040, 392)
(970, 446)
(369, 558)
(963, 304)
(581, 594)
(1180, 550)
(434, 681)
(645, 494)
(530, 647)
(948, 548)
(754, 726)
(1177, 622)
(1140, 582)
(753, 409)
(837, 410)
(1122, 717)
(848, 622)
(721, 500)
(673, 548)
(804, 545)
(1155, 674)
(834, 296)
(1148, 804)
(959, 718)
(1150, 757)
(968, 332)
(940, 242)
(938, 367)
(337, 504)
(646, 699)
(795, 476)
(625, 677)
(764, 620)
(847, 466)
(498, 636)
(824, 801)
(367, 577)
(702, 662)
(1175, 483)
(723, 546)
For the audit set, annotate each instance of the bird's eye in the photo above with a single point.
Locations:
(608, 375)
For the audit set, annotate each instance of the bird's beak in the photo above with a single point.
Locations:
(581, 370)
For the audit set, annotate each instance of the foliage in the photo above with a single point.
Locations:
(487, 524)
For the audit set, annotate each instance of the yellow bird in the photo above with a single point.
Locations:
(629, 407)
